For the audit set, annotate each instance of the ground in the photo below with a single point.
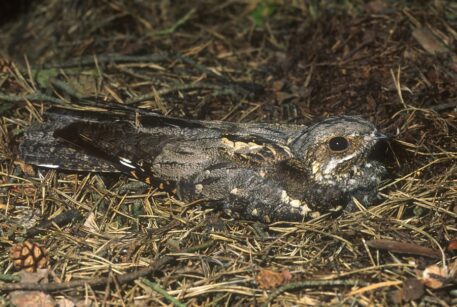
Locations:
(393, 62)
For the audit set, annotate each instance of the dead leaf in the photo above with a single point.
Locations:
(87, 302)
(453, 270)
(396, 297)
(91, 223)
(428, 41)
(403, 248)
(435, 276)
(32, 298)
(278, 85)
(268, 279)
(25, 168)
(452, 245)
(65, 302)
(412, 289)
(40, 276)
(376, 6)
(4, 207)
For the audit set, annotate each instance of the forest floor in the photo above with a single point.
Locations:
(112, 243)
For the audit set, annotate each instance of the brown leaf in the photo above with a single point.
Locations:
(40, 276)
(31, 299)
(376, 6)
(65, 302)
(4, 207)
(403, 248)
(452, 245)
(428, 41)
(25, 168)
(278, 85)
(453, 271)
(268, 279)
(412, 289)
(396, 297)
(435, 276)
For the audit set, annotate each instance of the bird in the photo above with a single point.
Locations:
(256, 171)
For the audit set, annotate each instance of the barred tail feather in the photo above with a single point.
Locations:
(40, 147)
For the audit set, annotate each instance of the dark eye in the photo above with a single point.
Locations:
(338, 143)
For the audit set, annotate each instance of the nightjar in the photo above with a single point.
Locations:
(266, 172)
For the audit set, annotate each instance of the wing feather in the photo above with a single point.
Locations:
(153, 148)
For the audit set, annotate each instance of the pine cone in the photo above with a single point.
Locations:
(28, 256)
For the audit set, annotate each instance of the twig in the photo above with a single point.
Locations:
(309, 284)
(245, 88)
(31, 97)
(156, 287)
(176, 25)
(38, 97)
(403, 248)
(444, 106)
(65, 87)
(202, 246)
(110, 58)
(9, 278)
(202, 68)
(219, 90)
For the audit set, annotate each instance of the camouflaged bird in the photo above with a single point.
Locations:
(266, 172)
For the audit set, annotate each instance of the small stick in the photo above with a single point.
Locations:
(309, 284)
(403, 248)
(110, 58)
(30, 97)
(9, 277)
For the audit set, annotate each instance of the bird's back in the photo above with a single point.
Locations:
(171, 147)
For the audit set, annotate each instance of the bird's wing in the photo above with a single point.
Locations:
(148, 146)
(40, 147)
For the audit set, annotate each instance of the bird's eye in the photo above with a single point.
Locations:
(338, 143)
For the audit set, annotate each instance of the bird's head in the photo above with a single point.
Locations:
(341, 153)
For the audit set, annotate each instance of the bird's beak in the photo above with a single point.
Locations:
(381, 137)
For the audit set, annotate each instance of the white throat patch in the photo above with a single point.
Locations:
(334, 163)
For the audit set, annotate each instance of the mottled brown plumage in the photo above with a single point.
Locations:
(255, 171)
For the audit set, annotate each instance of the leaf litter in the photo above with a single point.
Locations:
(394, 63)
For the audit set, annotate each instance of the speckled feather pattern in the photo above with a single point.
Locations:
(265, 172)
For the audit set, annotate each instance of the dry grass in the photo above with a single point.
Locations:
(210, 60)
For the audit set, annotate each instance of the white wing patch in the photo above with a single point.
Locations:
(127, 162)
(49, 165)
